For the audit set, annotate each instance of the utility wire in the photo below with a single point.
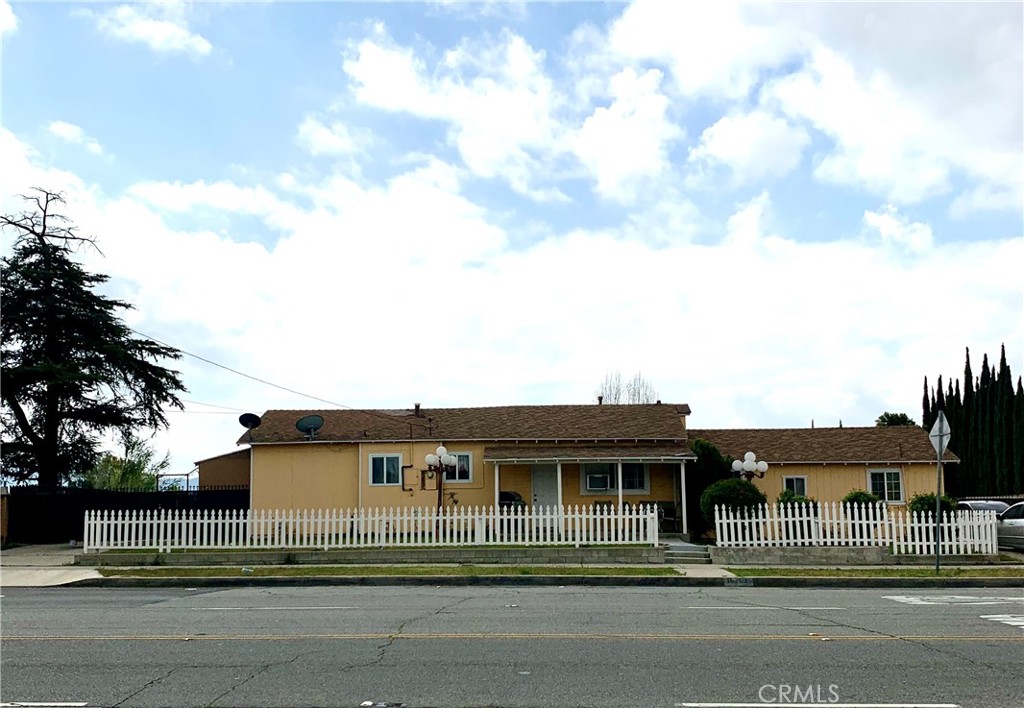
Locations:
(278, 386)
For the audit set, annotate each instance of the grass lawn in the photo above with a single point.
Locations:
(379, 570)
(893, 572)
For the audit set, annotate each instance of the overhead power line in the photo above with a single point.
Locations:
(277, 386)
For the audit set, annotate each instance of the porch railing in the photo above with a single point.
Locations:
(166, 530)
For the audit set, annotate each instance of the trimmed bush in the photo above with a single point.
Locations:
(859, 496)
(926, 503)
(733, 493)
(788, 496)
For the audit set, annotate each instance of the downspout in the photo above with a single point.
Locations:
(359, 479)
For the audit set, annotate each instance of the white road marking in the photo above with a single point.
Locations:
(819, 705)
(1012, 620)
(953, 600)
(20, 704)
(744, 607)
(248, 609)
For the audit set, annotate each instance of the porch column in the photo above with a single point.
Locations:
(682, 496)
(618, 483)
(497, 485)
(558, 473)
(561, 517)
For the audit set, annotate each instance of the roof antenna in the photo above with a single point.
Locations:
(249, 421)
(309, 425)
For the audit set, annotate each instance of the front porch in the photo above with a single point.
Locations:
(596, 476)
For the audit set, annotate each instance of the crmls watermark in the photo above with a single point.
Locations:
(782, 693)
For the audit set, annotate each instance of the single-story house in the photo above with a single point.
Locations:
(895, 463)
(558, 455)
(553, 455)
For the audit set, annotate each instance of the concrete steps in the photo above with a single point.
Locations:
(688, 556)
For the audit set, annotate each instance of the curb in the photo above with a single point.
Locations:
(546, 581)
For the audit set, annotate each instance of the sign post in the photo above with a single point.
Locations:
(940, 438)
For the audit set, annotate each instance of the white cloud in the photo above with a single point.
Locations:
(627, 141)
(754, 146)
(71, 133)
(162, 26)
(8, 20)
(321, 139)
(911, 99)
(894, 228)
(496, 98)
(717, 50)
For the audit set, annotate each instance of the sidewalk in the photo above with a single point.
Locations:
(45, 566)
(42, 566)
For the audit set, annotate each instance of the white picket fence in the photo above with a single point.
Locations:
(834, 524)
(165, 530)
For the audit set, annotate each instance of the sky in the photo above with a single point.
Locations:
(776, 213)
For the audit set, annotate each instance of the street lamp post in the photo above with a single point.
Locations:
(750, 467)
(438, 462)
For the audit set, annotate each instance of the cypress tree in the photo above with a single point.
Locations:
(1018, 439)
(926, 408)
(1003, 428)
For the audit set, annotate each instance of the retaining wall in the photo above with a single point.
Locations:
(832, 555)
(526, 555)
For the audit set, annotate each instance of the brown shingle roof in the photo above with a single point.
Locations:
(594, 451)
(589, 422)
(778, 445)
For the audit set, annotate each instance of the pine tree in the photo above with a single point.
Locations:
(71, 369)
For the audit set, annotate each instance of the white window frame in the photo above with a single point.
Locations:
(450, 480)
(613, 477)
(384, 456)
(886, 471)
(801, 477)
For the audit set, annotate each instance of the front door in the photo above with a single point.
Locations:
(545, 485)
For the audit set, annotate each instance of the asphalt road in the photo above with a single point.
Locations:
(570, 646)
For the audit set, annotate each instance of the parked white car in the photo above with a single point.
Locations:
(1010, 527)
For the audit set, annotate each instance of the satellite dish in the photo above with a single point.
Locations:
(249, 421)
(309, 425)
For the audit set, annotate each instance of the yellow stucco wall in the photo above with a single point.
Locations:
(827, 483)
(310, 476)
(327, 475)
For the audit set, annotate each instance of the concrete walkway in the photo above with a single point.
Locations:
(41, 566)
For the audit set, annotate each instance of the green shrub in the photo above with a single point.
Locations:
(788, 496)
(733, 493)
(926, 503)
(859, 496)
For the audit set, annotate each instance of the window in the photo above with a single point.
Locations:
(463, 469)
(887, 485)
(797, 485)
(601, 477)
(385, 469)
(634, 477)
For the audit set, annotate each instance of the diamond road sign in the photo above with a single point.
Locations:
(940, 433)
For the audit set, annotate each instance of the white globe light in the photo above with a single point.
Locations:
(441, 450)
(737, 465)
(749, 466)
(432, 460)
(762, 466)
(750, 456)
(447, 459)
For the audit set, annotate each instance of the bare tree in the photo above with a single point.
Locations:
(610, 390)
(640, 390)
(636, 390)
